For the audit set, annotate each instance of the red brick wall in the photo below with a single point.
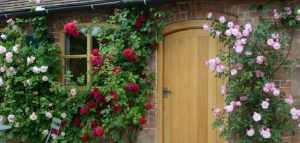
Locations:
(236, 10)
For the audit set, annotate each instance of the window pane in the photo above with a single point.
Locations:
(95, 43)
(78, 67)
(75, 46)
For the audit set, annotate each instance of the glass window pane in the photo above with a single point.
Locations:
(75, 46)
(95, 43)
(78, 67)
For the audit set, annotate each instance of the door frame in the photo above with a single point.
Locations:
(212, 82)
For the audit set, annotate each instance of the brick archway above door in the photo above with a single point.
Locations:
(184, 115)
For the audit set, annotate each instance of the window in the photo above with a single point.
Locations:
(76, 53)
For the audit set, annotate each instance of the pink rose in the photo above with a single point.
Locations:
(228, 108)
(73, 92)
(289, 100)
(270, 42)
(205, 27)
(220, 68)
(250, 132)
(45, 78)
(239, 49)
(233, 72)
(216, 111)
(245, 33)
(256, 117)
(260, 59)
(218, 33)
(230, 24)
(276, 45)
(223, 89)
(265, 104)
(228, 33)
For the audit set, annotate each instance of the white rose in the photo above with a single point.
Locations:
(276, 92)
(2, 50)
(45, 132)
(16, 48)
(63, 115)
(36, 70)
(11, 118)
(44, 69)
(209, 15)
(250, 132)
(265, 104)
(222, 19)
(48, 114)
(1, 81)
(30, 60)
(8, 57)
(45, 78)
(3, 36)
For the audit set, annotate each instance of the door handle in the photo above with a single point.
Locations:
(166, 92)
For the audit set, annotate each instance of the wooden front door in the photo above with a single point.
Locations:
(194, 91)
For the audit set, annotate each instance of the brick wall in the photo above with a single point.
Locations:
(236, 10)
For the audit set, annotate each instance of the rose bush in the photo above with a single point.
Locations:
(113, 105)
(256, 110)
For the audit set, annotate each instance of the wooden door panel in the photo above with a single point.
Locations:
(185, 74)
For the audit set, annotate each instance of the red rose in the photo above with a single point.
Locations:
(142, 120)
(139, 21)
(93, 124)
(95, 92)
(149, 106)
(72, 29)
(76, 121)
(95, 52)
(129, 54)
(115, 95)
(91, 104)
(153, 46)
(133, 87)
(55, 131)
(98, 132)
(142, 18)
(63, 122)
(103, 41)
(117, 108)
(85, 137)
(96, 61)
(84, 110)
(100, 124)
(116, 70)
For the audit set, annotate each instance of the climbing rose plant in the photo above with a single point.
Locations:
(256, 110)
(121, 83)
(114, 105)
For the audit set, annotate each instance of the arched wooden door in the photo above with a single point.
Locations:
(185, 111)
